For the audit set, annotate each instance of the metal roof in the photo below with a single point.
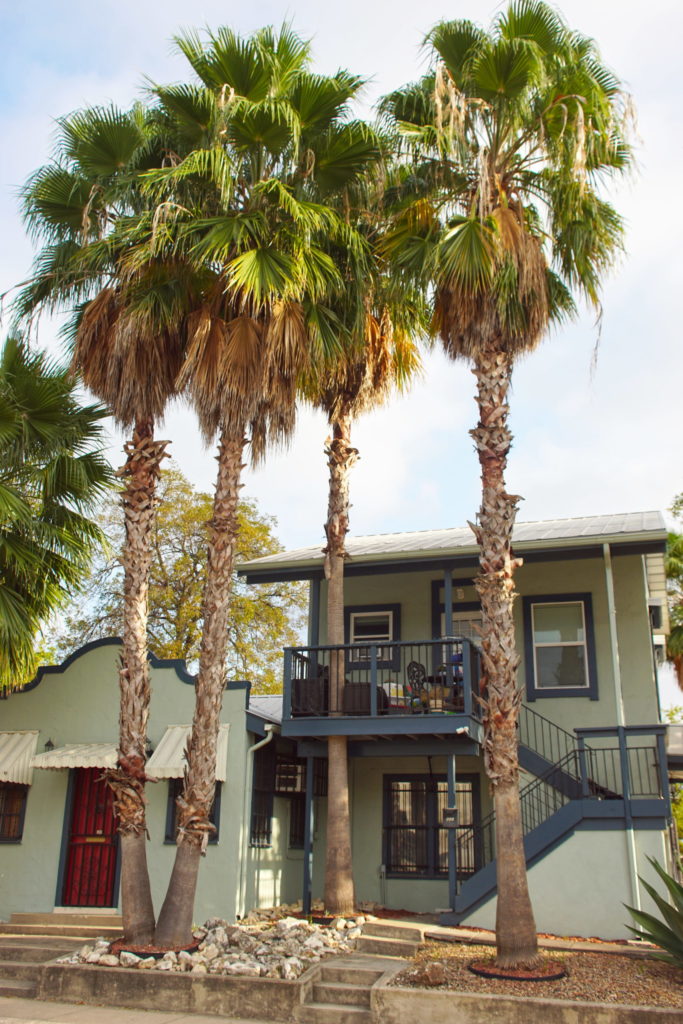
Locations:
(625, 527)
(268, 706)
(16, 751)
(78, 755)
(168, 760)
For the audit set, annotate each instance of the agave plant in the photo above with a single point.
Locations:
(668, 933)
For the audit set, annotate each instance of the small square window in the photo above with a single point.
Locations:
(373, 626)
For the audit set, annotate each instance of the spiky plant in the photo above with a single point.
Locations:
(666, 933)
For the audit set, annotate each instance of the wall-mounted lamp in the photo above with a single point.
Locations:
(49, 745)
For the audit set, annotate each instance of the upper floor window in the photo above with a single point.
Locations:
(12, 809)
(559, 646)
(374, 625)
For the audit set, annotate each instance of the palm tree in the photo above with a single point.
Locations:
(52, 476)
(512, 135)
(278, 146)
(126, 338)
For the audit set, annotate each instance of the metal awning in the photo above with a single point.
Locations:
(78, 755)
(16, 751)
(168, 760)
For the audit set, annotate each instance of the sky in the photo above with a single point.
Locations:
(595, 410)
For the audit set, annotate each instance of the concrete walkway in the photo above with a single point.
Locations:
(34, 1011)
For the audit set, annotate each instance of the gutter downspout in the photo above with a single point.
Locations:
(621, 721)
(271, 732)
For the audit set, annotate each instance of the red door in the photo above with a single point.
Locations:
(91, 858)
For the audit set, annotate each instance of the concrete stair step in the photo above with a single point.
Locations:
(94, 920)
(342, 994)
(27, 950)
(348, 975)
(386, 947)
(17, 989)
(18, 969)
(323, 1013)
(394, 930)
(82, 931)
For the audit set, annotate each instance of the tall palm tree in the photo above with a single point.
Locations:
(53, 474)
(278, 146)
(512, 134)
(126, 339)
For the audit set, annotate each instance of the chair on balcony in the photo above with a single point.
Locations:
(311, 697)
(414, 688)
(356, 699)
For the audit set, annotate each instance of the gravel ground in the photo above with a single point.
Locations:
(593, 977)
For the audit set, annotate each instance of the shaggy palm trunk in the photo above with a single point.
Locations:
(339, 893)
(516, 939)
(174, 927)
(127, 780)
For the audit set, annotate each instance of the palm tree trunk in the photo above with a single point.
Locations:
(339, 892)
(174, 927)
(127, 780)
(516, 940)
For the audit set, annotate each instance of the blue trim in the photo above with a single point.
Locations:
(439, 604)
(532, 691)
(66, 831)
(108, 641)
(394, 663)
(314, 620)
(308, 837)
(435, 722)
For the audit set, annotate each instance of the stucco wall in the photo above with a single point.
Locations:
(80, 705)
(580, 888)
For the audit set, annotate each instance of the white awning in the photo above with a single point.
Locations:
(78, 755)
(168, 760)
(16, 751)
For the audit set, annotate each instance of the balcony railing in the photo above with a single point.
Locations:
(431, 677)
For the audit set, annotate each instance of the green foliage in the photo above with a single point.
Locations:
(52, 476)
(668, 932)
(263, 619)
(674, 578)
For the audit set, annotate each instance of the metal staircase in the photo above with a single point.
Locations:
(574, 780)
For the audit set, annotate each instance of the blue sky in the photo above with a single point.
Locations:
(586, 440)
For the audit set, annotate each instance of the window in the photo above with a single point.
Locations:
(415, 840)
(466, 625)
(175, 789)
(262, 793)
(290, 782)
(370, 625)
(12, 809)
(559, 646)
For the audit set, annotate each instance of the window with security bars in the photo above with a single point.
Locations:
(175, 789)
(290, 775)
(262, 794)
(12, 808)
(415, 839)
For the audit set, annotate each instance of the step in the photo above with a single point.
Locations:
(323, 1013)
(342, 994)
(394, 930)
(18, 969)
(32, 951)
(343, 974)
(386, 947)
(83, 932)
(18, 989)
(81, 917)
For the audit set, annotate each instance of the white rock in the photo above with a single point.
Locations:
(200, 969)
(354, 933)
(92, 957)
(250, 970)
(314, 942)
(128, 959)
(339, 924)
(165, 965)
(170, 955)
(210, 952)
(109, 960)
(147, 963)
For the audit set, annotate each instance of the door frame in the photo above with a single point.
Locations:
(64, 849)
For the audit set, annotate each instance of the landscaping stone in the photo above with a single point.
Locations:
(271, 944)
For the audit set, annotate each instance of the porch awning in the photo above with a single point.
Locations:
(168, 760)
(16, 751)
(78, 755)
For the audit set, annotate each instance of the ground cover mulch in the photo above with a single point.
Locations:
(591, 977)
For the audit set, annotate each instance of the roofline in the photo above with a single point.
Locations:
(643, 542)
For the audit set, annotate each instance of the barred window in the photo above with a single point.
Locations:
(12, 809)
(415, 839)
(262, 793)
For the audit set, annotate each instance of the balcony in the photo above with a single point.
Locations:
(423, 688)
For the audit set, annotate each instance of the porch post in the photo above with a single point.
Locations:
(308, 837)
(314, 613)
(452, 835)
(448, 602)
